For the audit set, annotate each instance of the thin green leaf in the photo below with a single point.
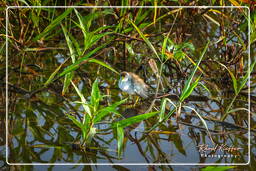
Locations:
(23, 1)
(110, 109)
(203, 121)
(145, 39)
(70, 44)
(234, 80)
(91, 134)
(68, 78)
(95, 95)
(140, 16)
(50, 79)
(82, 25)
(86, 125)
(162, 111)
(217, 168)
(76, 44)
(188, 92)
(205, 87)
(120, 139)
(103, 64)
(246, 77)
(53, 24)
(188, 45)
(164, 45)
(74, 120)
(82, 60)
(133, 120)
(84, 102)
(188, 82)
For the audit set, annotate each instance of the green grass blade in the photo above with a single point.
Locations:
(164, 46)
(132, 120)
(82, 60)
(234, 80)
(95, 95)
(70, 44)
(91, 134)
(53, 24)
(67, 80)
(162, 110)
(217, 168)
(50, 79)
(74, 120)
(203, 121)
(83, 100)
(145, 39)
(189, 90)
(76, 44)
(120, 139)
(103, 64)
(110, 109)
(81, 23)
(246, 77)
(190, 79)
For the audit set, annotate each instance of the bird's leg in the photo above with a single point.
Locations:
(137, 99)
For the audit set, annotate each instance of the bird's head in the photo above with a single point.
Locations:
(124, 76)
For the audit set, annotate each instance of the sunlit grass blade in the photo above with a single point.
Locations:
(75, 121)
(234, 80)
(73, 53)
(164, 119)
(68, 78)
(212, 19)
(103, 64)
(162, 110)
(110, 109)
(205, 87)
(95, 95)
(132, 120)
(155, 11)
(187, 87)
(245, 78)
(120, 139)
(146, 40)
(81, 23)
(92, 38)
(23, 1)
(203, 121)
(83, 100)
(189, 90)
(164, 45)
(217, 168)
(165, 15)
(90, 135)
(141, 15)
(82, 60)
(235, 3)
(53, 24)
(76, 44)
(50, 79)
(70, 44)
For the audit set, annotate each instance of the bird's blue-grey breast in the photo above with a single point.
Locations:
(126, 84)
(133, 84)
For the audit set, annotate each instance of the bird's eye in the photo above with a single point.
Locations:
(122, 75)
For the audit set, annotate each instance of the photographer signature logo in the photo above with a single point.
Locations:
(218, 151)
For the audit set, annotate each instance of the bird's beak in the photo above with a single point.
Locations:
(122, 77)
